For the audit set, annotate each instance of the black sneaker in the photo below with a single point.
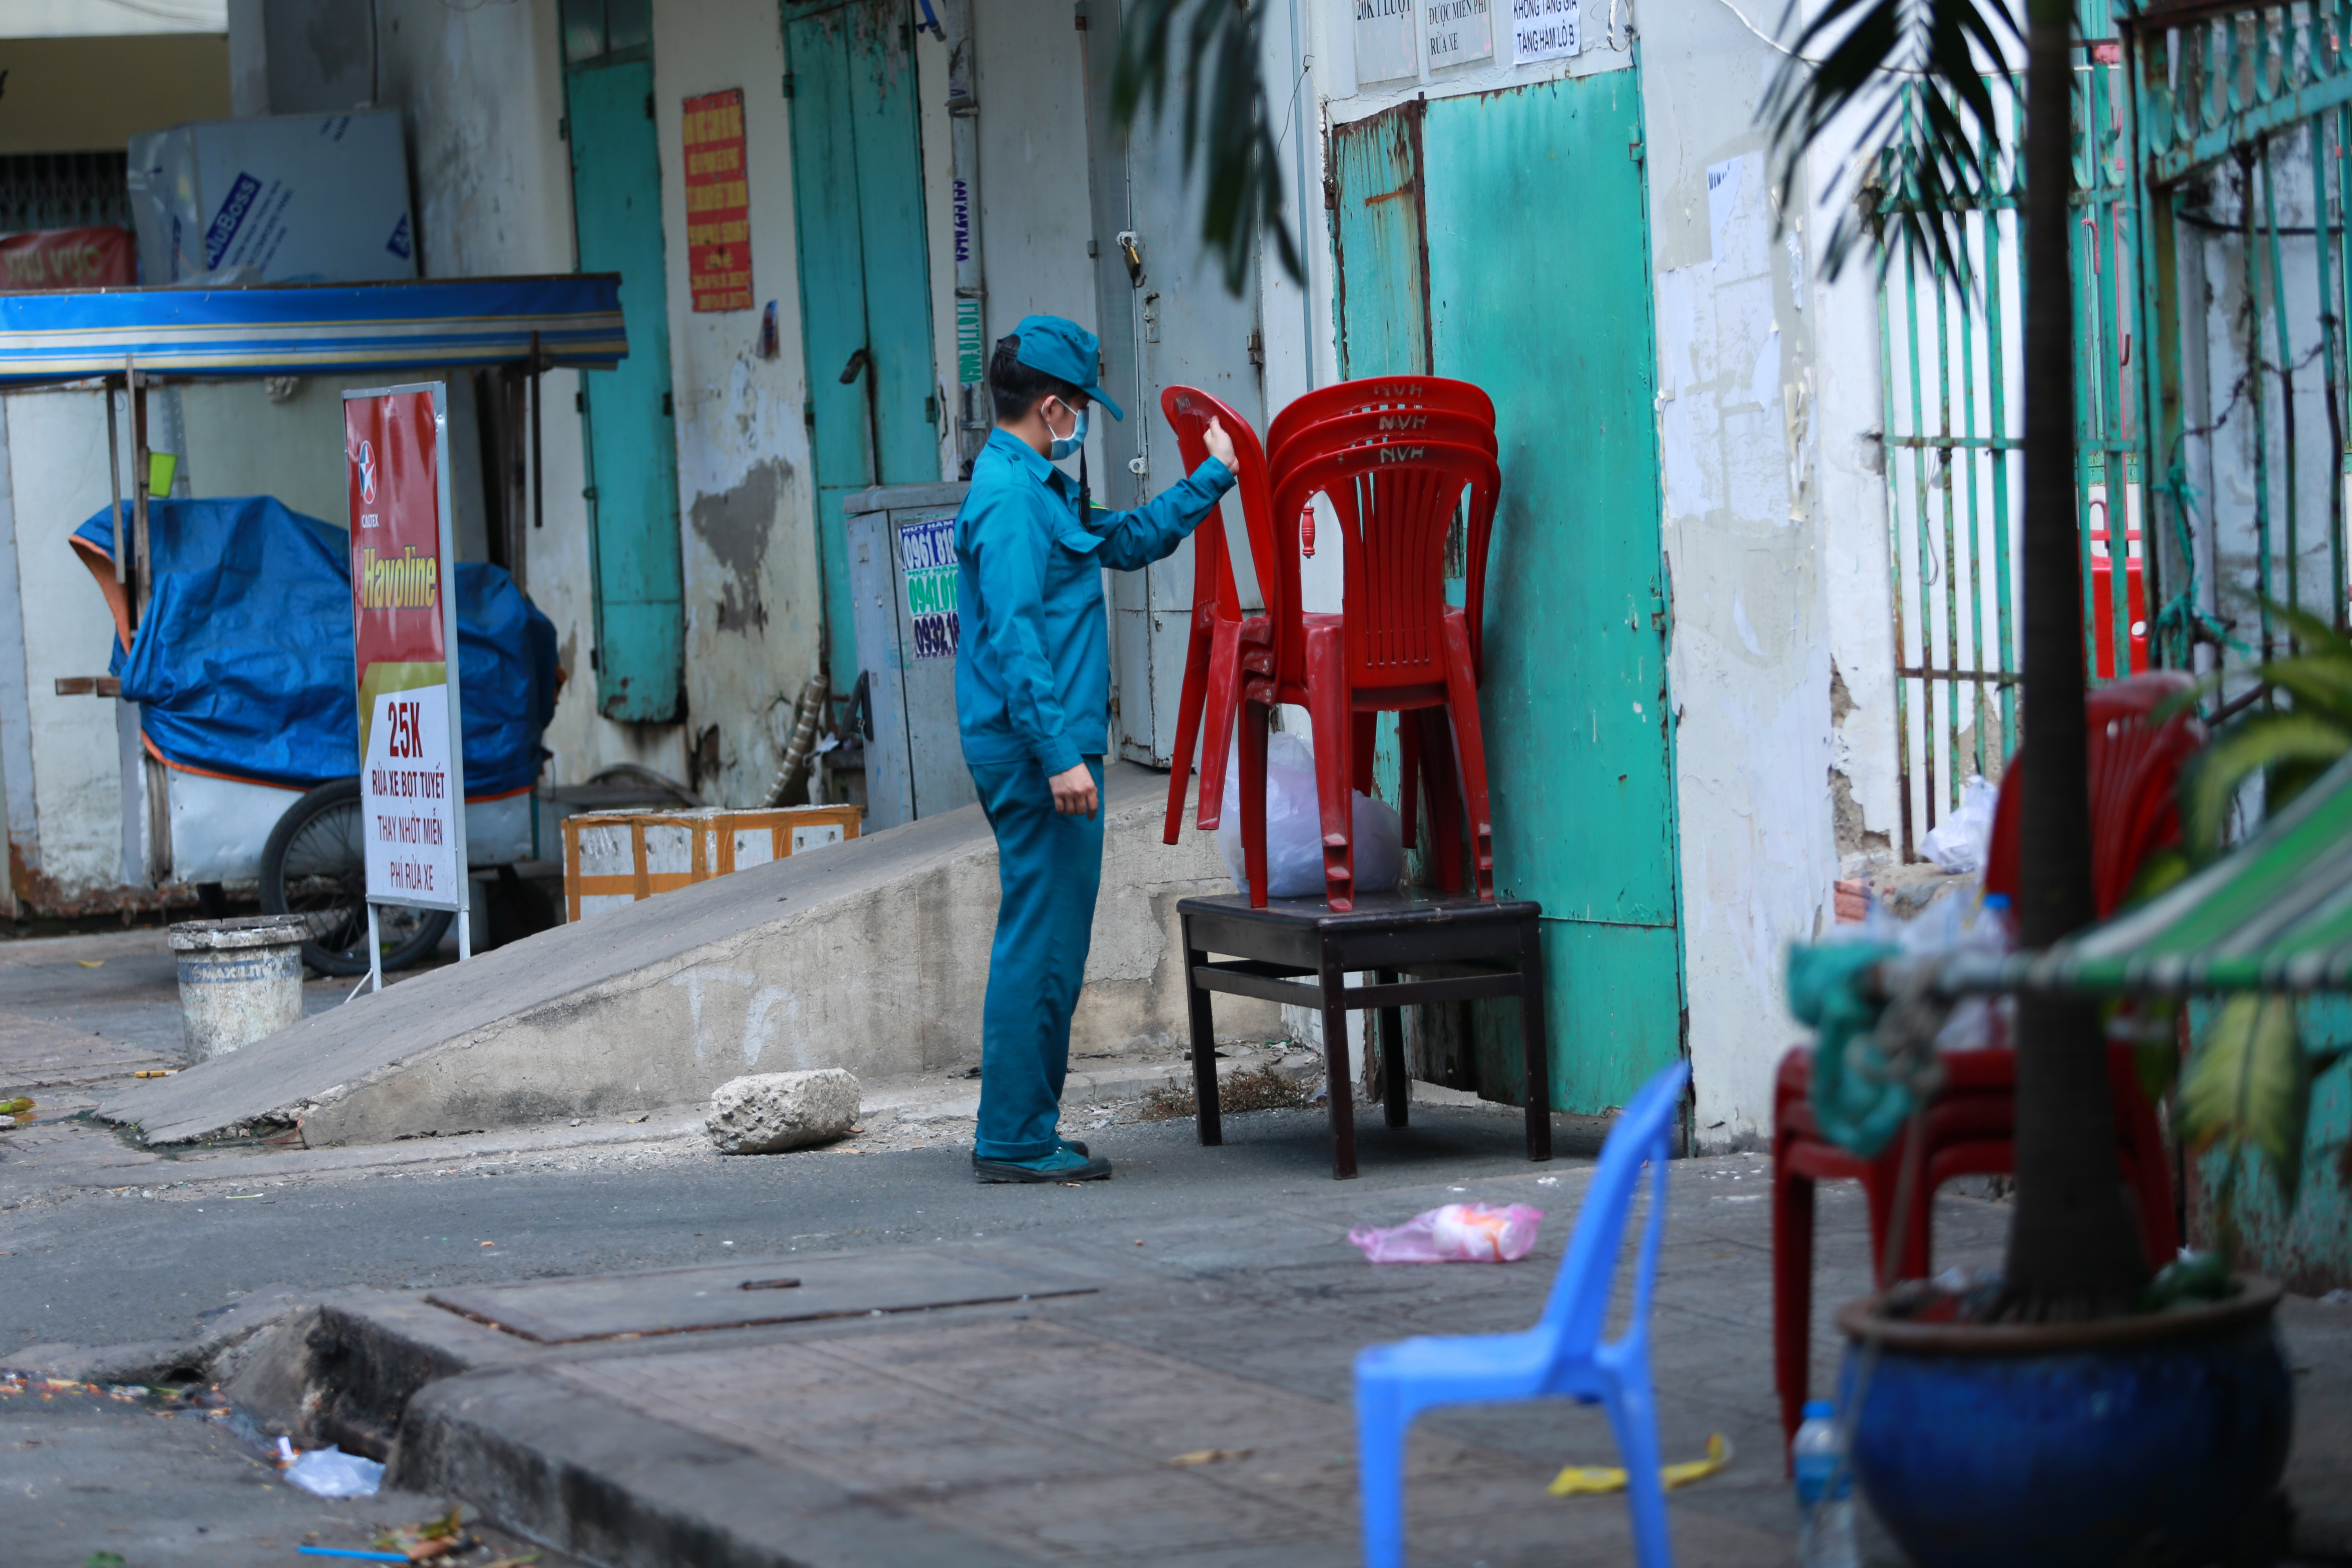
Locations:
(1063, 1164)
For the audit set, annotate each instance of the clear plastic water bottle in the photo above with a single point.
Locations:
(1824, 1492)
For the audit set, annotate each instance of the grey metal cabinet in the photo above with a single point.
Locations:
(902, 577)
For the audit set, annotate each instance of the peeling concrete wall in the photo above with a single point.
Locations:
(754, 608)
(1750, 659)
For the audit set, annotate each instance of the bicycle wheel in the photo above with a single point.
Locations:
(313, 867)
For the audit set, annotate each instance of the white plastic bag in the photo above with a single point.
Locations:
(1957, 843)
(1293, 828)
(330, 1472)
(1458, 1233)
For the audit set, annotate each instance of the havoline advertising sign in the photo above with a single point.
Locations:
(404, 637)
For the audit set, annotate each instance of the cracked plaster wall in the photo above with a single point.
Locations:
(1750, 666)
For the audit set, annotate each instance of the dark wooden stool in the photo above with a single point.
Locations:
(1299, 952)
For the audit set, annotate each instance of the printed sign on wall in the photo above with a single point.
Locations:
(1384, 45)
(404, 641)
(69, 258)
(1459, 31)
(927, 556)
(718, 202)
(1546, 30)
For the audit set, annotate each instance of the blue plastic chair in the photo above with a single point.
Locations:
(1564, 1354)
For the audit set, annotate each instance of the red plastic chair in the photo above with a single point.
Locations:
(1213, 649)
(1394, 648)
(1375, 393)
(1397, 403)
(2133, 766)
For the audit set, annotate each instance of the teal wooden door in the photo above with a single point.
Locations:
(631, 449)
(1377, 242)
(864, 264)
(1534, 252)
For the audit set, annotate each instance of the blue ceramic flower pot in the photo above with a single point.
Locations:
(2141, 1440)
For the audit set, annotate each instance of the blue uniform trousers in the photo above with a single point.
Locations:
(1049, 868)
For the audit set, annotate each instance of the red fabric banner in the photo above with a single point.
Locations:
(68, 258)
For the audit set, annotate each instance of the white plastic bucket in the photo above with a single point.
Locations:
(239, 980)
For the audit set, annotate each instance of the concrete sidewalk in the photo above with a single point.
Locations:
(925, 1411)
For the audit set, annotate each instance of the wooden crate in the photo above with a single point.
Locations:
(616, 857)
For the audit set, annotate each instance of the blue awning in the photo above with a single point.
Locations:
(313, 329)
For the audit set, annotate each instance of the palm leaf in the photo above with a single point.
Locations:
(2310, 630)
(2259, 743)
(2248, 1086)
(1935, 140)
(1227, 127)
(2321, 683)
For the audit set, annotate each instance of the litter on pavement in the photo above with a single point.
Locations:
(330, 1472)
(1578, 1481)
(1458, 1233)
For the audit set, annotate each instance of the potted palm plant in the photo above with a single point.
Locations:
(2063, 1423)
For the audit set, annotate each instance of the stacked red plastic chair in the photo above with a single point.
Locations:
(1396, 461)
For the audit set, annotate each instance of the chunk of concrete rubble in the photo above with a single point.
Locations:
(768, 1112)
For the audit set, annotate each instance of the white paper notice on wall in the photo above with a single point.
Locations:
(1385, 51)
(1459, 31)
(1722, 200)
(1546, 30)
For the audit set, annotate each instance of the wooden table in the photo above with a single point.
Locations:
(1299, 952)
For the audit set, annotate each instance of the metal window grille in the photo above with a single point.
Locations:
(63, 190)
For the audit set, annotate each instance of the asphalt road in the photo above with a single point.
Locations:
(144, 1263)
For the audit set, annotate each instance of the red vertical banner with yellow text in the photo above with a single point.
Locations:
(718, 202)
(404, 640)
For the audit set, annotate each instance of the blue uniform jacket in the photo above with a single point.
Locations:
(1032, 664)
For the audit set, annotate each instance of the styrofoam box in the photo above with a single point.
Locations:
(300, 198)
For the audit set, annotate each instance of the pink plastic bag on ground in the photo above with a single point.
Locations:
(1458, 1233)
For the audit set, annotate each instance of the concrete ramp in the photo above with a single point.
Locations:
(872, 956)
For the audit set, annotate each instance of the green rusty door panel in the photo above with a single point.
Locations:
(1558, 334)
(1377, 247)
(865, 273)
(1603, 1019)
(1436, 206)
(632, 448)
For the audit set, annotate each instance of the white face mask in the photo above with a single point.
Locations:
(1067, 445)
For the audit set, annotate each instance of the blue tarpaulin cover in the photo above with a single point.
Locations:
(244, 662)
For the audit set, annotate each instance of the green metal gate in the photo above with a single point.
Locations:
(1952, 426)
(2209, 360)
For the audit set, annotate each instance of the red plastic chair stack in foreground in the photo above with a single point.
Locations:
(1392, 649)
(2134, 765)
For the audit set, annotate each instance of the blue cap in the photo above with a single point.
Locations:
(1066, 350)
(1819, 1410)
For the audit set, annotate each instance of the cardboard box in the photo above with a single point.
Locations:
(616, 857)
(295, 198)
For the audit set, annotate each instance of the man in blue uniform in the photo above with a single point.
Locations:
(1032, 703)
